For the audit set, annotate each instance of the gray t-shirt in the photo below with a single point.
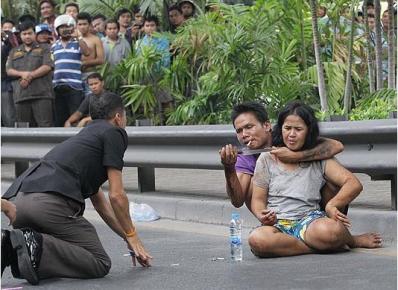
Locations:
(291, 194)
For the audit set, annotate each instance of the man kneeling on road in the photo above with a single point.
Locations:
(253, 129)
(51, 238)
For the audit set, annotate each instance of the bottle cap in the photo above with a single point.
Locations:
(235, 215)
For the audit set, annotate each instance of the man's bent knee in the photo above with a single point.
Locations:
(103, 268)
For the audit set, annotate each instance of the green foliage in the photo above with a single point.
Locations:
(376, 106)
(234, 58)
(239, 53)
(106, 7)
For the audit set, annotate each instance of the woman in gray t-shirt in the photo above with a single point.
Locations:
(286, 196)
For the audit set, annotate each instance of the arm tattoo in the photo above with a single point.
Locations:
(320, 152)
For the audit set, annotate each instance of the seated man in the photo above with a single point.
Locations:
(82, 116)
(286, 196)
(51, 238)
(253, 129)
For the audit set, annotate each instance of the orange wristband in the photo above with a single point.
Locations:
(131, 234)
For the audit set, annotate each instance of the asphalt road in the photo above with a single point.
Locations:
(196, 256)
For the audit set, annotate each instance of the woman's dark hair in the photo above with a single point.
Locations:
(250, 107)
(306, 113)
(105, 106)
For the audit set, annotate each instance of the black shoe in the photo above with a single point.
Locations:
(28, 246)
(8, 255)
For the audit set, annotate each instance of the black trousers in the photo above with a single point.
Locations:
(67, 101)
(71, 247)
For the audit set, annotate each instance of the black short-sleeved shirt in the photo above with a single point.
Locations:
(84, 107)
(77, 167)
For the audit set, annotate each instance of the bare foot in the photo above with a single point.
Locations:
(368, 240)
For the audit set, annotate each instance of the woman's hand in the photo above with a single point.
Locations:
(334, 213)
(267, 217)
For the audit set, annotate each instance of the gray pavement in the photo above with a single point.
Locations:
(183, 259)
(193, 231)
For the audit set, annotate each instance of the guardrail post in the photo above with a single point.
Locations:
(21, 166)
(146, 175)
(394, 192)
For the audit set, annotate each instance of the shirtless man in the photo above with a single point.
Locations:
(253, 129)
(96, 56)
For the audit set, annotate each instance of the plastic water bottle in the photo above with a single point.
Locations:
(235, 237)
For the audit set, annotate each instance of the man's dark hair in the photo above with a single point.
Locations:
(371, 15)
(105, 106)
(122, 11)
(95, 76)
(367, 4)
(98, 16)
(109, 21)
(47, 1)
(72, 4)
(4, 21)
(250, 107)
(175, 7)
(306, 113)
(152, 18)
(136, 9)
(26, 26)
(84, 16)
(26, 18)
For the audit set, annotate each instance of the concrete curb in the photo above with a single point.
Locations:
(218, 211)
(213, 210)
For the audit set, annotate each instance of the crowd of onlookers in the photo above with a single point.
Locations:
(344, 24)
(50, 66)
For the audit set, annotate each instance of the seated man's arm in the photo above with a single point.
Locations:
(120, 206)
(105, 210)
(75, 117)
(9, 210)
(325, 149)
(350, 187)
(83, 122)
(237, 184)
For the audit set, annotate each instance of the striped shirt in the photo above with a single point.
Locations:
(67, 64)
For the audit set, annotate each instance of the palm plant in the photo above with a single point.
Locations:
(106, 7)
(368, 48)
(321, 78)
(378, 50)
(348, 83)
(391, 46)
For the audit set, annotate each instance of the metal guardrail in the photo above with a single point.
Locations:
(370, 147)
